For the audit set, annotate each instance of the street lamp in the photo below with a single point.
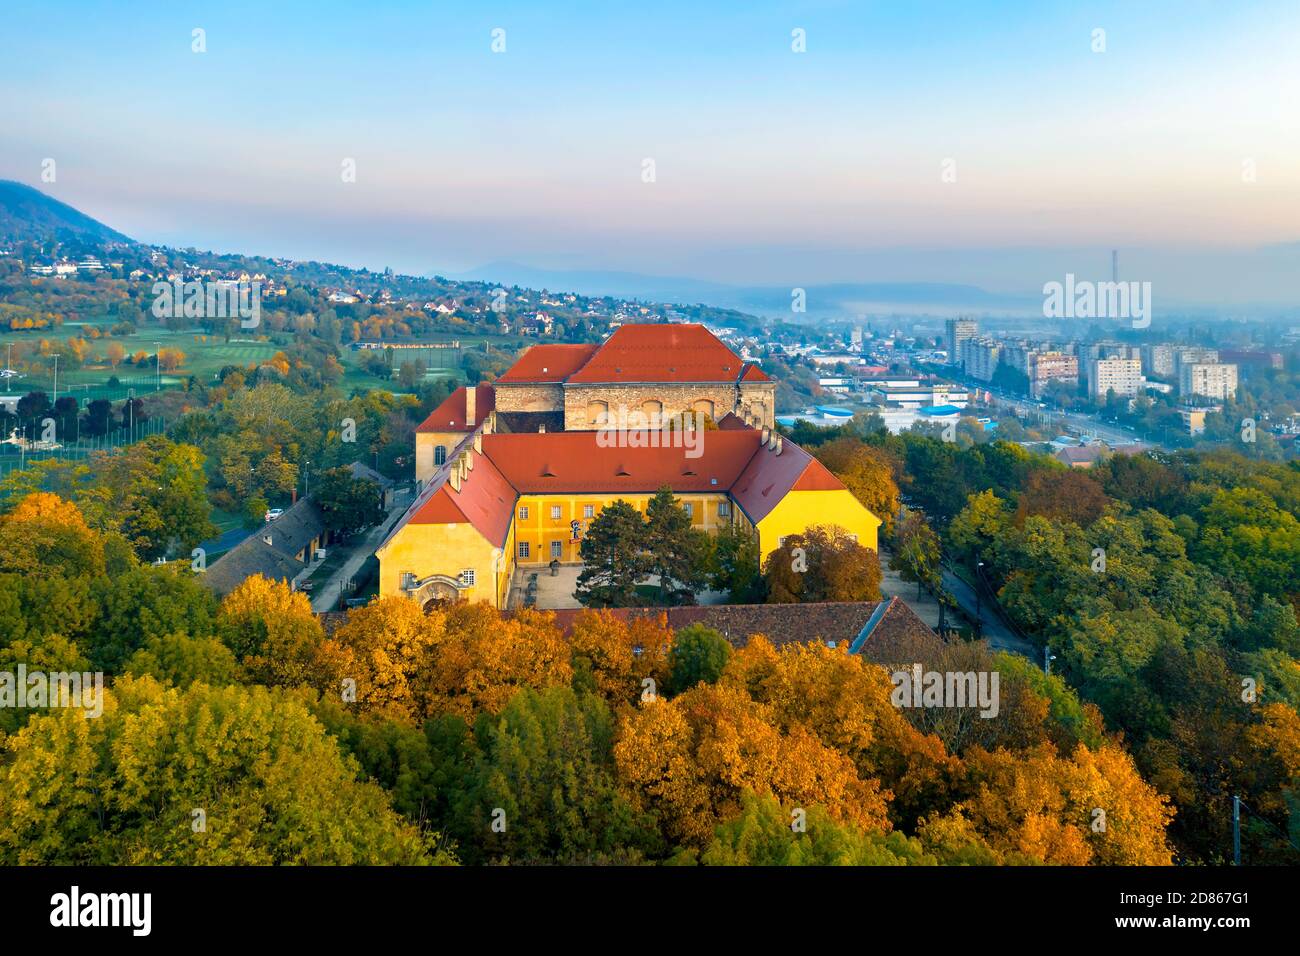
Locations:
(1048, 657)
(157, 367)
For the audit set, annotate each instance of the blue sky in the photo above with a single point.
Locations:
(771, 166)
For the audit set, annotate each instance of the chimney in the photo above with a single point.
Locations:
(779, 442)
(478, 442)
(469, 461)
(471, 405)
(766, 434)
(454, 478)
(772, 439)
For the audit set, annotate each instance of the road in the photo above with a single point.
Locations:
(325, 594)
(1083, 424)
(998, 635)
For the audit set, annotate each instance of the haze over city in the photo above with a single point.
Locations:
(1175, 143)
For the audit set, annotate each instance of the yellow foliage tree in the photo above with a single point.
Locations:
(272, 631)
(44, 534)
(622, 654)
(691, 759)
(484, 658)
(1093, 807)
(381, 658)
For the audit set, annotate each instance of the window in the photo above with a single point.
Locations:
(467, 577)
(408, 580)
(523, 549)
(724, 509)
(523, 512)
(589, 511)
(555, 512)
(690, 509)
(557, 549)
(439, 454)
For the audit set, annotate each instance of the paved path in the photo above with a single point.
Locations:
(999, 636)
(326, 592)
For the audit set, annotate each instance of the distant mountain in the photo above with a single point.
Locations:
(27, 214)
(836, 299)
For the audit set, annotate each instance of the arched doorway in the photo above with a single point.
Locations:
(435, 589)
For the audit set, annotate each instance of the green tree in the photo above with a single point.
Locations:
(735, 565)
(546, 769)
(349, 504)
(767, 834)
(614, 557)
(916, 551)
(678, 554)
(699, 655)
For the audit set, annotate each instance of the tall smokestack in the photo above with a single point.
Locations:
(1114, 265)
(471, 405)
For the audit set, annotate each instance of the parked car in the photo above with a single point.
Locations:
(274, 513)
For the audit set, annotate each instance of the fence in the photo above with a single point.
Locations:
(17, 456)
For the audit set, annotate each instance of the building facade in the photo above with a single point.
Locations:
(1123, 376)
(500, 494)
(1214, 380)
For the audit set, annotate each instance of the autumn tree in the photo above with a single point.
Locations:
(823, 563)
(218, 776)
(272, 632)
(484, 658)
(689, 761)
(621, 655)
(868, 472)
(43, 534)
(380, 658)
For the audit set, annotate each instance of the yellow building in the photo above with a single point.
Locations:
(503, 489)
(520, 500)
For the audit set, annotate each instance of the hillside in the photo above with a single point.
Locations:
(29, 215)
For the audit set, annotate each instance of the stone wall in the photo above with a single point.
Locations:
(714, 399)
(529, 398)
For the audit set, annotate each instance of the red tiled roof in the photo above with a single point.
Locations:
(730, 461)
(485, 500)
(731, 422)
(558, 462)
(450, 415)
(882, 631)
(547, 363)
(770, 477)
(753, 373)
(661, 353)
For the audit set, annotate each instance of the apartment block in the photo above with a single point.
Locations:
(959, 331)
(1215, 380)
(980, 358)
(1123, 376)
